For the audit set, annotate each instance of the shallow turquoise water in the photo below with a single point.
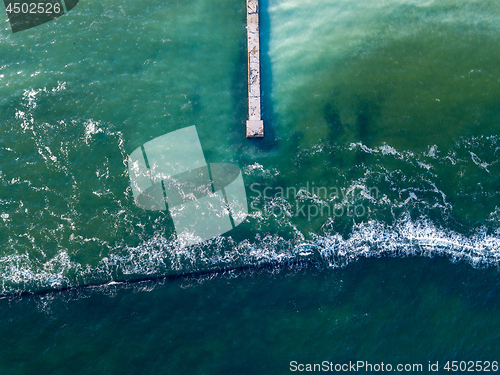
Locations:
(381, 141)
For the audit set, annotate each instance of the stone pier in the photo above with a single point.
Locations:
(255, 125)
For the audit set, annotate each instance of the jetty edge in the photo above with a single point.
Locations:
(255, 125)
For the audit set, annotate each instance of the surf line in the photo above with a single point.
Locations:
(255, 125)
(295, 264)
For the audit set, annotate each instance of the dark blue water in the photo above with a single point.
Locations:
(396, 311)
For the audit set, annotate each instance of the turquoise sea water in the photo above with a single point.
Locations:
(373, 231)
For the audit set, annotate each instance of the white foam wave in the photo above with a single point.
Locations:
(409, 238)
(160, 256)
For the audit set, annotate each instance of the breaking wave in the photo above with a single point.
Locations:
(78, 225)
(159, 256)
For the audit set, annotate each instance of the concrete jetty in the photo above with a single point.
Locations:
(255, 125)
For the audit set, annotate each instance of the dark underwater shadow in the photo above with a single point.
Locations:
(270, 141)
